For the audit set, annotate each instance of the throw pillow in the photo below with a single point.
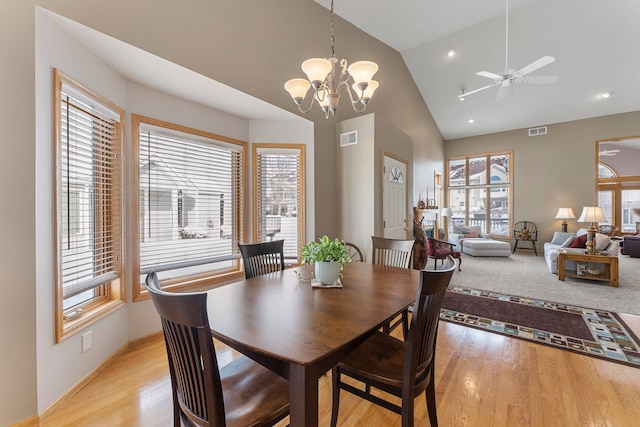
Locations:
(579, 242)
(602, 241)
(559, 237)
(567, 243)
(471, 233)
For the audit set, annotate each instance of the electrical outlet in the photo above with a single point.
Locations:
(86, 341)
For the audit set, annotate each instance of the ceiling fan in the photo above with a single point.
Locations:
(509, 76)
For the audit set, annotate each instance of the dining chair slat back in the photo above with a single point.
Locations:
(203, 394)
(375, 362)
(262, 258)
(392, 252)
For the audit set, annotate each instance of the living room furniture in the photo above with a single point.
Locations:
(630, 245)
(598, 267)
(402, 369)
(460, 232)
(576, 241)
(564, 214)
(204, 394)
(301, 332)
(440, 250)
(525, 231)
(262, 258)
(592, 215)
(485, 247)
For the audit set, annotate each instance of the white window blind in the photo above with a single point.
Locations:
(279, 191)
(89, 191)
(190, 189)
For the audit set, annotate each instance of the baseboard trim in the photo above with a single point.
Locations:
(83, 382)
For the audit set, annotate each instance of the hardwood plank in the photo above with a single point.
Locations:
(482, 379)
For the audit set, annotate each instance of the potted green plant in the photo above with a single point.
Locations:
(329, 256)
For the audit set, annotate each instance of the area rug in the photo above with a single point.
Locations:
(588, 331)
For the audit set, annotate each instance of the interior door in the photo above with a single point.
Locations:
(394, 198)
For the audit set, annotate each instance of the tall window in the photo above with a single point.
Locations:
(479, 192)
(279, 195)
(190, 199)
(88, 205)
(619, 182)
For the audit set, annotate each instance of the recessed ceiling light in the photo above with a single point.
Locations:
(471, 120)
(451, 52)
(606, 94)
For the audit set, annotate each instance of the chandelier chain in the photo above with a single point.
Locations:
(333, 52)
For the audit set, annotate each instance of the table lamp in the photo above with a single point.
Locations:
(446, 212)
(564, 214)
(592, 215)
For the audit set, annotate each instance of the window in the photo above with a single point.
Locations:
(619, 181)
(279, 195)
(479, 185)
(189, 196)
(88, 141)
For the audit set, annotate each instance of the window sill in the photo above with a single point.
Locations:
(89, 317)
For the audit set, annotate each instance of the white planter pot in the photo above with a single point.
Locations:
(327, 273)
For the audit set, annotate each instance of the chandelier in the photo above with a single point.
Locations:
(328, 77)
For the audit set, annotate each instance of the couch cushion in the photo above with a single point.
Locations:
(559, 237)
(467, 231)
(568, 242)
(602, 241)
(579, 241)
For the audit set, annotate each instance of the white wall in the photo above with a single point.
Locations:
(356, 178)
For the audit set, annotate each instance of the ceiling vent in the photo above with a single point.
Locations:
(349, 138)
(538, 131)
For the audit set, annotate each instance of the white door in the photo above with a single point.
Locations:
(394, 198)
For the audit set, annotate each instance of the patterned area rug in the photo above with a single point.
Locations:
(591, 332)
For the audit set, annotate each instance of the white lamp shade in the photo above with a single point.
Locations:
(446, 212)
(368, 92)
(565, 213)
(297, 88)
(316, 69)
(362, 71)
(592, 214)
(323, 99)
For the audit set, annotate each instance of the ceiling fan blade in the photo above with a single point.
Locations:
(489, 75)
(504, 92)
(540, 79)
(545, 60)
(462, 95)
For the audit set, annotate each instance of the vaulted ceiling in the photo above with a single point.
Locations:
(596, 45)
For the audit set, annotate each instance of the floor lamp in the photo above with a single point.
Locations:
(564, 214)
(592, 215)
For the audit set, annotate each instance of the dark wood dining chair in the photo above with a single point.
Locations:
(354, 252)
(404, 369)
(394, 253)
(262, 258)
(440, 250)
(242, 393)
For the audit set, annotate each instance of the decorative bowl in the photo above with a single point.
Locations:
(593, 271)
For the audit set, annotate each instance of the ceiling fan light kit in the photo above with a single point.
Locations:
(510, 76)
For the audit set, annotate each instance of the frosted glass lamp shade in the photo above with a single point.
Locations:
(362, 71)
(297, 88)
(316, 70)
(368, 92)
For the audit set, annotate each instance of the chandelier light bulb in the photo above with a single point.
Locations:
(362, 71)
(297, 88)
(316, 70)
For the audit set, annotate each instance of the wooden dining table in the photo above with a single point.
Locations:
(300, 332)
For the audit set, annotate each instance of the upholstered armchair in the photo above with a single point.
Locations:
(630, 245)
(440, 250)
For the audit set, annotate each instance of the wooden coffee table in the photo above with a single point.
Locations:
(610, 262)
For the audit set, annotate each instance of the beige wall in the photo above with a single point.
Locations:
(554, 170)
(251, 45)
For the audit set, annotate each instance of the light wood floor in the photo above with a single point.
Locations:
(482, 379)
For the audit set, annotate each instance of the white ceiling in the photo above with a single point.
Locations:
(596, 44)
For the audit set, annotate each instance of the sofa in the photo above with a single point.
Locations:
(630, 245)
(460, 232)
(576, 242)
